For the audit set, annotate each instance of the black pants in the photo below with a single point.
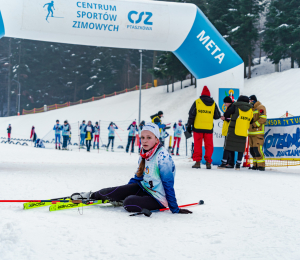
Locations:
(65, 141)
(131, 140)
(133, 197)
(227, 153)
(112, 139)
(88, 144)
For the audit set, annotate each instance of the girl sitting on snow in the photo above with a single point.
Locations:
(152, 187)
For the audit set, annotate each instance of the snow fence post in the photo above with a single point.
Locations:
(80, 101)
(92, 98)
(104, 96)
(45, 108)
(55, 106)
(115, 93)
(34, 110)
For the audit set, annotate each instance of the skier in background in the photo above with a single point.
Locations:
(178, 128)
(163, 135)
(97, 134)
(66, 133)
(156, 119)
(89, 130)
(131, 136)
(141, 125)
(152, 187)
(33, 135)
(8, 132)
(111, 135)
(57, 128)
(82, 133)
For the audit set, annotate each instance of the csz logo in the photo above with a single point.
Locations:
(135, 17)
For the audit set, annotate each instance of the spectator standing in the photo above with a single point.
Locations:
(201, 115)
(8, 132)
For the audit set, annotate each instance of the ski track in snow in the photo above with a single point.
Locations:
(246, 215)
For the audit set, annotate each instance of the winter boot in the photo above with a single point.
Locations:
(254, 167)
(197, 165)
(94, 146)
(172, 151)
(229, 166)
(59, 147)
(208, 165)
(222, 165)
(261, 168)
(107, 149)
(177, 152)
(238, 166)
(112, 149)
(55, 146)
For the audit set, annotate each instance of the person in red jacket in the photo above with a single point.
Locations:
(33, 135)
(201, 116)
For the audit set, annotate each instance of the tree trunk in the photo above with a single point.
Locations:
(153, 65)
(181, 84)
(191, 79)
(168, 86)
(292, 62)
(75, 90)
(9, 75)
(17, 99)
(249, 66)
(173, 84)
(245, 71)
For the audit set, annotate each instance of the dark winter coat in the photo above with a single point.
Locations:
(208, 101)
(9, 130)
(234, 142)
(93, 131)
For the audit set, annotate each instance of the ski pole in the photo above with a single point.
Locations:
(118, 135)
(148, 213)
(53, 201)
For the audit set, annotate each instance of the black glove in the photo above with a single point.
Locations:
(185, 211)
(189, 128)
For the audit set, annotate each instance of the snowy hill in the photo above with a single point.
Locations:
(277, 91)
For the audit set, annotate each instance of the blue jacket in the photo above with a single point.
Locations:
(167, 171)
(82, 127)
(57, 128)
(132, 130)
(66, 129)
(93, 131)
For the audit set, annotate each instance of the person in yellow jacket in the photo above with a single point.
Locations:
(226, 121)
(241, 115)
(257, 133)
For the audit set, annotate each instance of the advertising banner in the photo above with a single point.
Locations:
(282, 138)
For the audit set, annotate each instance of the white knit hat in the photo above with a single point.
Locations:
(153, 128)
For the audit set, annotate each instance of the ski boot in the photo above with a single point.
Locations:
(261, 168)
(208, 165)
(112, 149)
(197, 165)
(172, 151)
(55, 146)
(94, 146)
(177, 152)
(107, 149)
(81, 195)
(59, 147)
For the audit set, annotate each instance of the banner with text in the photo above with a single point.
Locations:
(282, 138)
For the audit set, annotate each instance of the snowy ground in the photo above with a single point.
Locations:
(246, 215)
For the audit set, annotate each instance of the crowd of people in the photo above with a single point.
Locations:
(245, 117)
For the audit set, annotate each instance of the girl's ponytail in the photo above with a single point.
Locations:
(141, 168)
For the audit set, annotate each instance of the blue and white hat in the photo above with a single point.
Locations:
(152, 128)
